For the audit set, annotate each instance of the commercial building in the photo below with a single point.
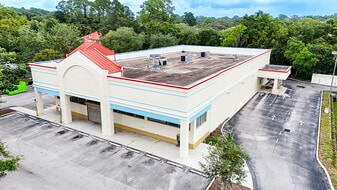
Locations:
(178, 94)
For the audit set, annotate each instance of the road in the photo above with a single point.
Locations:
(280, 135)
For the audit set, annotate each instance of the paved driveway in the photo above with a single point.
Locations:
(279, 133)
(25, 100)
(56, 157)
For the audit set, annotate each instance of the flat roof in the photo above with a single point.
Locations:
(144, 65)
(175, 71)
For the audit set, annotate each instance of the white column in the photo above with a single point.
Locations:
(39, 102)
(275, 89)
(192, 131)
(65, 108)
(184, 138)
(279, 84)
(108, 127)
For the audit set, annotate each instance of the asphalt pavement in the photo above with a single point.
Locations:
(58, 157)
(279, 133)
(25, 100)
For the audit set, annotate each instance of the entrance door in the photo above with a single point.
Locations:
(94, 111)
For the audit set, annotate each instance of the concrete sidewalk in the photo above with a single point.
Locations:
(137, 141)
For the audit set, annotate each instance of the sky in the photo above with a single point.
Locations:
(215, 8)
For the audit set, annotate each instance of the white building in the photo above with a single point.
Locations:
(185, 90)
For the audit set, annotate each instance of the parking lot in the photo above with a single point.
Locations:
(280, 135)
(278, 132)
(57, 157)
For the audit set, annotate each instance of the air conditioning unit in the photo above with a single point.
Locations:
(186, 58)
(155, 62)
(154, 55)
(163, 62)
(205, 54)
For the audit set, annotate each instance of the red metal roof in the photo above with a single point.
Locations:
(93, 45)
(92, 37)
(101, 60)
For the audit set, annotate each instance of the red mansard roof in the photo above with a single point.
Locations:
(101, 60)
(93, 45)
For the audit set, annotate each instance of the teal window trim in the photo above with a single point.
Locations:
(145, 114)
(46, 91)
(200, 113)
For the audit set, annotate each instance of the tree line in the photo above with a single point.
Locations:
(34, 34)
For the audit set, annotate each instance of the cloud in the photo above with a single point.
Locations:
(214, 8)
(221, 8)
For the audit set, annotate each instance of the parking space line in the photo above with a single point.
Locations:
(153, 156)
(115, 144)
(133, 150)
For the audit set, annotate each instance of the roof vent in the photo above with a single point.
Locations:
(235, 57)
(205, 54)
(186, 58)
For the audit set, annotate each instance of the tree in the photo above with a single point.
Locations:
(233, 37)
(308, 29)
(302, 59)
(322, 52)
(10, 24)
(123, 39)
(161, 40)
(209, 37)
(29, 43)
(47, 54)
(62, 38)
(7, 79)
(8, 162)
(189, 19)
(225, 160)
(157, 16)
(9, 76)
(7, 57)
(187, 35)
(110, 15)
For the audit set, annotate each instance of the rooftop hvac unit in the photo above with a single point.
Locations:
(205, 54)
(159, 62)
(155, 62)
(186, 58)
(154, 55)
(163, 62)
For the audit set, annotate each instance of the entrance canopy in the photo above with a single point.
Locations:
(280, 72)
(276, 72)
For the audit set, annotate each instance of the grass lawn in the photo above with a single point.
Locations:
(326, 153)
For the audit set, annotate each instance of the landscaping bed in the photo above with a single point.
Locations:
(327, 138)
